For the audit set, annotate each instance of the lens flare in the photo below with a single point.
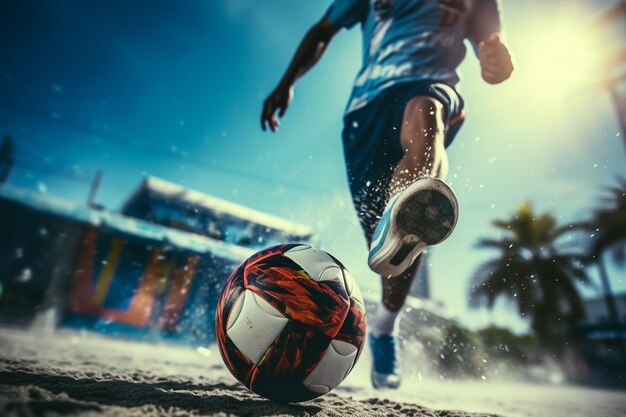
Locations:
(559, 57)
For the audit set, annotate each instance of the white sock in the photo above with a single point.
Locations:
(384, 322)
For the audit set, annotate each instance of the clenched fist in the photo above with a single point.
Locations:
(495, 60)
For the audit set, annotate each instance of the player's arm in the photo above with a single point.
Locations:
(309, 52)
(483, 31)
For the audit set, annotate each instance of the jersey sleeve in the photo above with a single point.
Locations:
(484, 19)
(347, 13)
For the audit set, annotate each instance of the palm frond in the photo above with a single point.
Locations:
(534, 269)
(609, 221)
(502, 244)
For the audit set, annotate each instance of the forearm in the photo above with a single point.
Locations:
(309, 51)
(483, 21)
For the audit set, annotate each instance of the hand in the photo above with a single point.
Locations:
(495, 61)
(278, 100)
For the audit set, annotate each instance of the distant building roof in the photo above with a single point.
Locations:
(131, 226)
(157, 188)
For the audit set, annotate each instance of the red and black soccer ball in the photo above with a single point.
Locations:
(290, 323)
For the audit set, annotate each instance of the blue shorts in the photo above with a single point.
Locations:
(371, 143)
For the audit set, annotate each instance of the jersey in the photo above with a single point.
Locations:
(411, 40)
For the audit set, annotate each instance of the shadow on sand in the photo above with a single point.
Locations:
(86, 394)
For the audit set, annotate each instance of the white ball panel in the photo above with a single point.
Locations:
(332, 273)
(256, 327)
(235, 311)
(316, 263)
(320, 389)
(301, 247)
(267, 307)
(353, 289)
(343, 348)
(332, 368)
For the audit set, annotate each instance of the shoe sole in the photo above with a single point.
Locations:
(422, 218)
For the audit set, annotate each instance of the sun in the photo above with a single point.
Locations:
(560, 56)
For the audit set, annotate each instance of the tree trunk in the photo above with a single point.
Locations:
(608, 295)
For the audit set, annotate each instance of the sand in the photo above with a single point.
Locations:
(66, 372)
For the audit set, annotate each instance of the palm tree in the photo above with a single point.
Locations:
(608, 235)
(609, 224)
(535, 271)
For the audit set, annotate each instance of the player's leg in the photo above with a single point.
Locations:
(394, 293)
(422, 139)
(382, 337)
(422, 209)
(373, 150)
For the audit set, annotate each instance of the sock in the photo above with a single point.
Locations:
(384, 322)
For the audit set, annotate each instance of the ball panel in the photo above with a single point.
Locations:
(231, 292)
(353, 289)
(343, 348)
(289, 360)
(332, 273)
(235, 311)
(284, 391)
(290, 290)
(354, 327)
(315, 262)
(295, 352)
(299, 247)
(256, 327)
(332, 368)
(264, 255)
(237, 363)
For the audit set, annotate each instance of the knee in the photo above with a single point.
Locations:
(425, 110)
(423, 123)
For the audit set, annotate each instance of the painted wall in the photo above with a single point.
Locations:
(115, 275)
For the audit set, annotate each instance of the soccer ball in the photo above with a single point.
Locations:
(290, 323)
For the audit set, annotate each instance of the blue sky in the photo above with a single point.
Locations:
(174, 89)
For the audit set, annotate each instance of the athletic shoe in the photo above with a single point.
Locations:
(384, 364)
(422, 215)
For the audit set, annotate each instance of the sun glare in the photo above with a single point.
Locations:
(559, 58)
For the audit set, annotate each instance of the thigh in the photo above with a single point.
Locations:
(423, 119)
(453, 106)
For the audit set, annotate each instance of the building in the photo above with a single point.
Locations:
(153, 271)
(171, 205)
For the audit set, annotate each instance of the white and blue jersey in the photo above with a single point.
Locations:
(412, 40)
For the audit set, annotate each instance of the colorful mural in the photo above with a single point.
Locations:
(122, 280)
(106, 272)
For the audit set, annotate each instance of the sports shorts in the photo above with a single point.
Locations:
(371, 142)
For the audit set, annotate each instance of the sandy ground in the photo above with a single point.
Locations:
(84, 374)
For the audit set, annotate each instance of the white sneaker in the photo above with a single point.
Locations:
(422, 215)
